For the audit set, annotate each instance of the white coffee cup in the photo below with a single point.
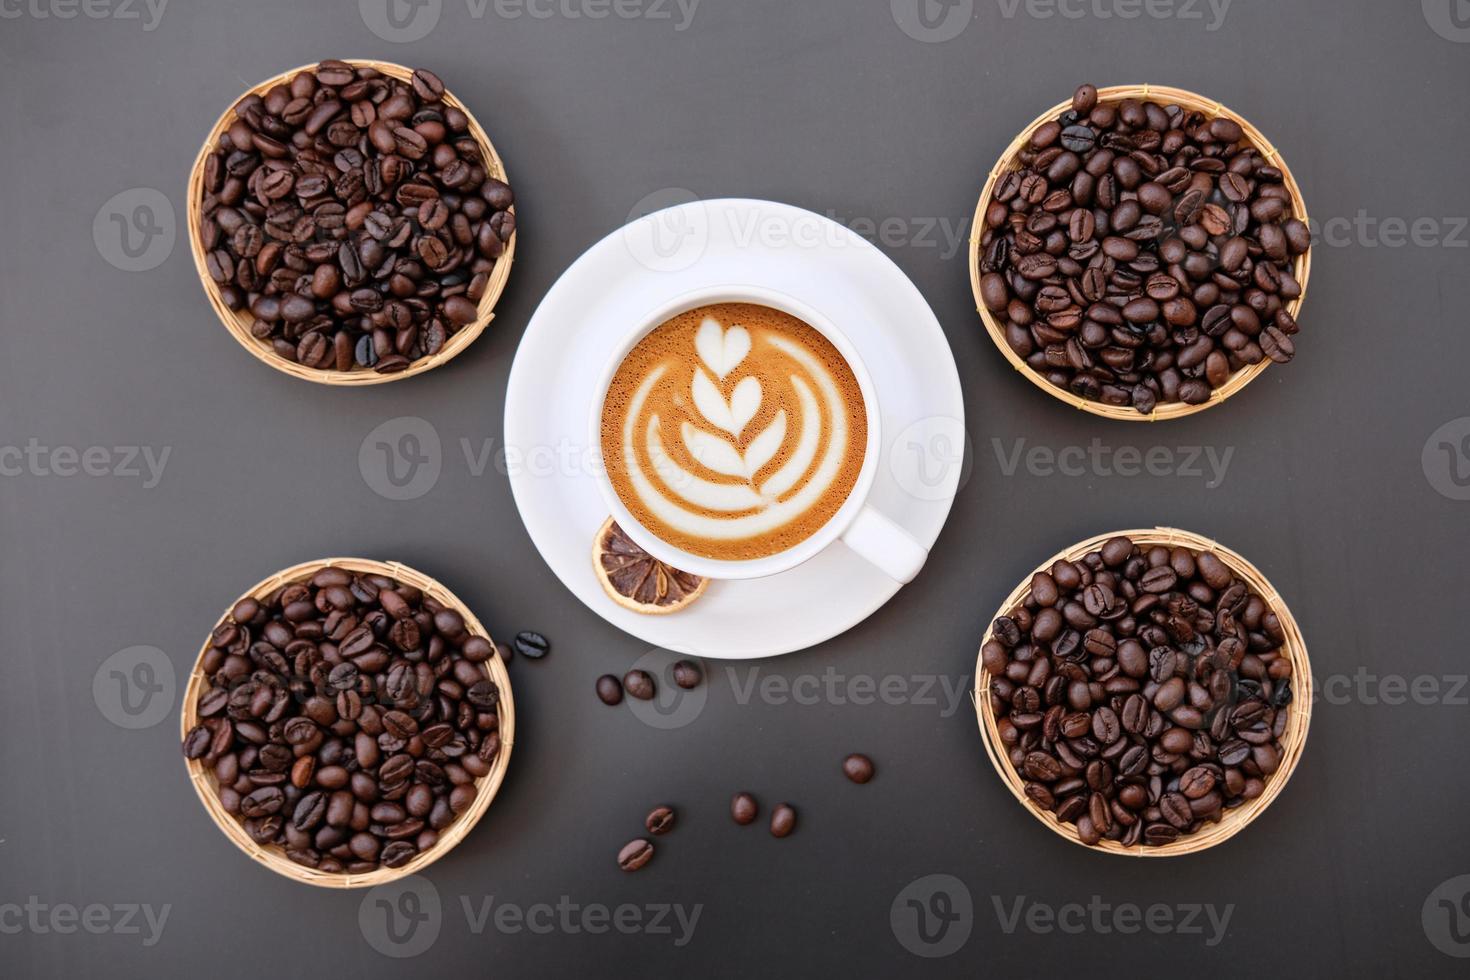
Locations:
(857, 524)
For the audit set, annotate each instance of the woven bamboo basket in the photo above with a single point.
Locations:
(238, 323)
(1164, 96)
(1293, 740)
(273, 857)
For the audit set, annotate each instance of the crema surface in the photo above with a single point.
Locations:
(734, 431)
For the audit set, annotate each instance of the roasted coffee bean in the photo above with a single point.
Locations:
(783, 820)
(635, 854)
(609, 689)
(660, 820)
(397, 854)
(858, 768)
(339, 192)
(533, 646)
(1106, 727)
(339, 777)
(196, 743)
(1161, 716)
(1116, 252)
(639, 684)
(744, 809)
(687, 674)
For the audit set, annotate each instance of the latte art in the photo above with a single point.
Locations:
(734, 431)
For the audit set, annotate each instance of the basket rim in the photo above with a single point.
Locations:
(1293, 740)
(488, 786)
(1302, 265)
(238, 326)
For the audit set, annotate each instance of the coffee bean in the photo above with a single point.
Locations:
(609, 689)
(744, 809)
(1078, 139)
(531, 645)
(427, 86)
(351, 203)
(1156, 719)
(660, 820)
(635, 854)
(344, 778)
(783, 820)
(858, 768)
(1175, 807)
(1196, 782)
(196, 743)
(687, 674)
(1113, 254)
(639, 684)
(1277, 345)
(397, 854)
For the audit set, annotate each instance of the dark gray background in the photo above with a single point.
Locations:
(824, 104)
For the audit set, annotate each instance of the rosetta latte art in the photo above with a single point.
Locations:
(734, 431)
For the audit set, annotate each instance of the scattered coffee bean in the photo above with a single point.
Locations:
(858, 768)
(635, 854)
(610, 689)
(1141, 254)
(687, 674)
(532, 646)
(347, 719)
(783, 820)
(744, 809)
(639, 684)
(1167, 713)
(352, 216)
(660, 820)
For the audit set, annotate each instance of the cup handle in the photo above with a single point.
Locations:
(886, 545)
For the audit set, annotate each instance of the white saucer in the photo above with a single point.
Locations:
(656, 258)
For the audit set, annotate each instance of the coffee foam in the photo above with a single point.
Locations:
(734, 431)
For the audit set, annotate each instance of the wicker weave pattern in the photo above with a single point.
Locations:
(238, 323)
(1165, 96)
(274, 857)
(1293, 740)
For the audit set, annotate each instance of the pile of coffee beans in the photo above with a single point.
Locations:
(1140, 692)
(346, 719)
(353, 216)
(1141, 254)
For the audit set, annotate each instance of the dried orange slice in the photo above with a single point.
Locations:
(636, 580)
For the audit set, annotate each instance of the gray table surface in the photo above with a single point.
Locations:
(1340, 476)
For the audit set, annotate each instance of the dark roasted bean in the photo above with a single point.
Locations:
(1162, 714)
(340, 191)
(342, 776)
(1117, 251)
